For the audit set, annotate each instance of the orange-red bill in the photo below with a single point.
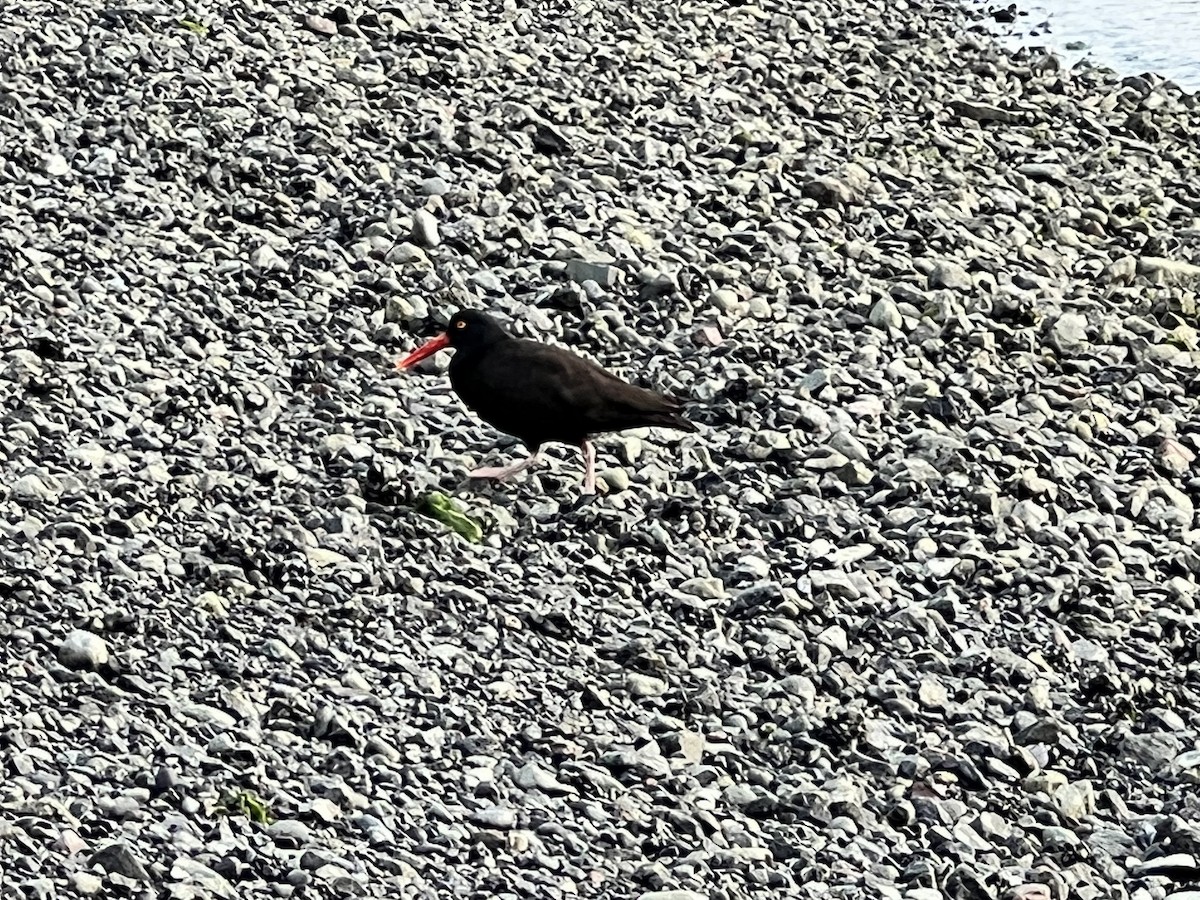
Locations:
(425, 350)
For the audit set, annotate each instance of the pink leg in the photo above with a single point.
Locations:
(501, 472)
(589, 467)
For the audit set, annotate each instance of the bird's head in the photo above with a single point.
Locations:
(469, 329)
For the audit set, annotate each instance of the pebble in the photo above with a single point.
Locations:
(425, 229)
(949, 274)
(874, 631)
(886, 314)
(581, 271)
(82, 650)
(1069, 332)
(495, 817)
(119, 859)
(86, 883)
(1076, 800)
(646, 685)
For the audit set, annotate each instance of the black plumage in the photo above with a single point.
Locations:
(540, 393)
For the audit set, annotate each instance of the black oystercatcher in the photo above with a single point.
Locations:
(539, 393)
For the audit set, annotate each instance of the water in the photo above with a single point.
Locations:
(1129, 36)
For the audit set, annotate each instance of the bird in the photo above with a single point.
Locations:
(540, 393)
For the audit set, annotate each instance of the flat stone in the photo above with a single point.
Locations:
(185, 869)
(532, 776)
(580, 271)
(856, 473)
(1175, 457)
(704, 588)
(983, 112)
(321, 25)
(495, 817)
(835, 637)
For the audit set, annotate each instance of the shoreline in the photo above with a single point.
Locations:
(1013, 37)
(913, 617)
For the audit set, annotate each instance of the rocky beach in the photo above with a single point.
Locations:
(912, 617)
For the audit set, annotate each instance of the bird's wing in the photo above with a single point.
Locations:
(571, 389)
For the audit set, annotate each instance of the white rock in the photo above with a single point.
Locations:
(704, 588)
(86, 883)
(1068, 332)
(82, 650)
(886, 314)
(646, 685)
(948, 274)
(425, 229)
(57, 165)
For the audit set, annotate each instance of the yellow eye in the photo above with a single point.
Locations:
(460, 324)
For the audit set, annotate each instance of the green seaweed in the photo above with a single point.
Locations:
(194, 27)
(438, 506)
(248, 804)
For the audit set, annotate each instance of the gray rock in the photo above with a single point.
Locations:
(425, 229)
(1175, 457)
(983, 112)
(532, 776)
(1076, 800)
(435, 187)
(82, 650)
(495, 817)
(193, 872)
(1068, 332)
(949, 274)
(704, 588)
(580, 271)
(886, 314)
(118, 859)
(856, 473)
(1159, 270)
(56, 165)
(829, 191)
(646, 685)
(85, 883)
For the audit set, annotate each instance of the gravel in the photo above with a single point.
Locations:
(913, 617)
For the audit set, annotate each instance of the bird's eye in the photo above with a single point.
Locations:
(460, 324)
